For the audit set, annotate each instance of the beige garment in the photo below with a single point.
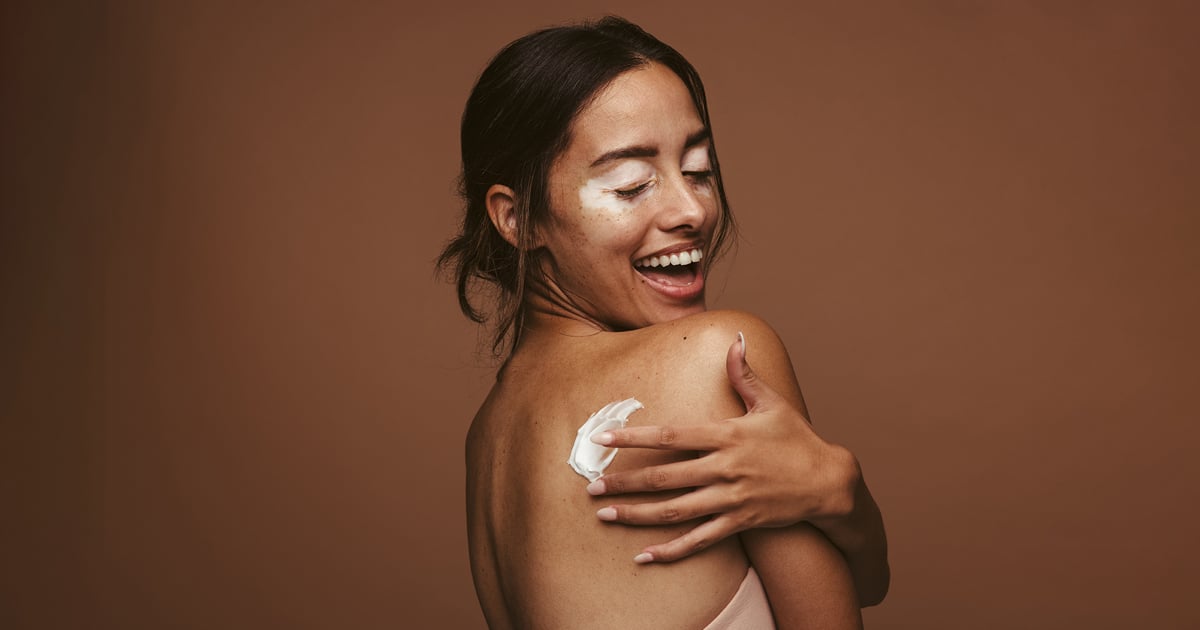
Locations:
(748, 610)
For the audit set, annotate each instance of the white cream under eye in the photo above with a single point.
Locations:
(601, 191)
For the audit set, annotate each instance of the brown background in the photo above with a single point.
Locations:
(235, 396)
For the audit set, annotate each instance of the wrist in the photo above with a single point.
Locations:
(841, 501)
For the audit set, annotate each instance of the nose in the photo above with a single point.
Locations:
(685, 205)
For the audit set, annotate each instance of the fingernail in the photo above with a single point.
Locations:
(643, 558)
(742, 338)
(596, 487)
(603, 439)
(606, 514)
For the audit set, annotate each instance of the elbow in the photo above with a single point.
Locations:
(878, 590)
(872, 538)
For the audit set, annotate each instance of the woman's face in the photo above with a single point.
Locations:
(633, 204)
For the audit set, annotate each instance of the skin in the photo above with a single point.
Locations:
(599, 331)
(787, 473)
(766, 468)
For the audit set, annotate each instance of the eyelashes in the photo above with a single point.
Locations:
(700, 178)
(630, 193)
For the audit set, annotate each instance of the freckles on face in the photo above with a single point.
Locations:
(600, 220)
(632, 186)
(594, 200)
(598, 199)
(591, 240)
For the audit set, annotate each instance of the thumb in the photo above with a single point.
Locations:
(753, 390)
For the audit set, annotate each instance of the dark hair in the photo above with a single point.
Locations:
(516, 123)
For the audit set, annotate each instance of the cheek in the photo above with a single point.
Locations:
(706, 192)
(596, 202)
(604, 220)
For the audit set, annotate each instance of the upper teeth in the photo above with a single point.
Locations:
(666, 260)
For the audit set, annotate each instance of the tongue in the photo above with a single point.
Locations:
(675, 275)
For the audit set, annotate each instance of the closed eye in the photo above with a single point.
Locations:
(698, 176)
(630, 193)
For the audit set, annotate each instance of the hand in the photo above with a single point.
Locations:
(764, 469)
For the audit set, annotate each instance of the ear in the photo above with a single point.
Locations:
(501, 204)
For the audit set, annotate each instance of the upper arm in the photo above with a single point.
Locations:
(768, 356)
(806, 578)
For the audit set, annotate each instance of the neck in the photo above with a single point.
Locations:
(548, 306)
(549, 310)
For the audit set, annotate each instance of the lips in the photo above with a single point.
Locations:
(675, 272)
(685, 257)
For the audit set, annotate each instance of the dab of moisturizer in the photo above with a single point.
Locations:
(599, 193)
(590, 459)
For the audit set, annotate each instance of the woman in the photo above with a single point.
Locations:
(594, 208)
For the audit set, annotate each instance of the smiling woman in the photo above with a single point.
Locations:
(518, 164)
(613, 210)
(594, 202)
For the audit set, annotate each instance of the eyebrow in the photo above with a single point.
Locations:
(640, 151)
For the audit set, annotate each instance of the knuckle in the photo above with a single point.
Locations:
(698, 543)
(667, 436)
(730, 434)
(748, 374)
(738, 496)
(670, 515)
(728, 471)
(615, 484)
(656, 479)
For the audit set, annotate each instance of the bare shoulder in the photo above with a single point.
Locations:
(703, 342)
(717, 330)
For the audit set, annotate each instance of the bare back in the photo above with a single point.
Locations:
(539, 555)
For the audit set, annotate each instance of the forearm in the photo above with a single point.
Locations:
(805, 578)
(859, 534)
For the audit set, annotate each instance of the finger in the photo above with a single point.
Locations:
(753, 390)
(677, 510)
(700, 437)
(699, 538)
(685, 474)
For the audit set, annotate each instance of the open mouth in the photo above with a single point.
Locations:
(679, 269)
